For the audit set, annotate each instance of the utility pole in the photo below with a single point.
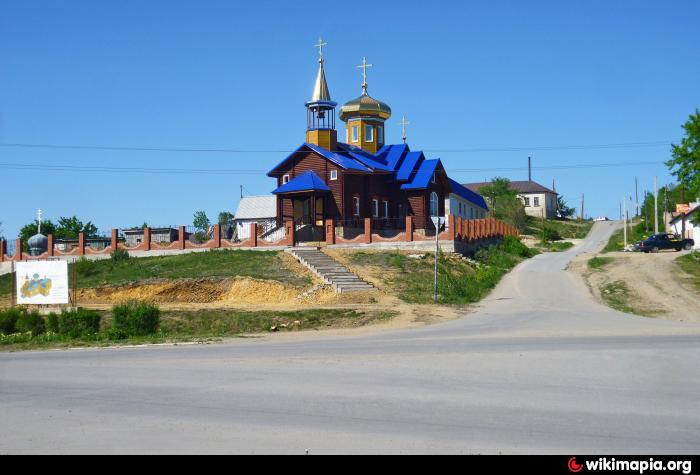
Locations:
(529, 169)
(630, 219)
(583, 210)
(624, 214)
(620, 210)
(636, 194)
(241, 191)
(656, 207)
(682, 214)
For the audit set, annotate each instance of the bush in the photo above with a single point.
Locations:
(8, 320)
(52, 323)
(78, 323)
(136, 318)
(85, 266)
(30, 322)
(119, 255)
(513, 245)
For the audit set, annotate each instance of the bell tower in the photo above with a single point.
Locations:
(320, 110)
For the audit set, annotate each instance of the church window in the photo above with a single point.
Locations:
(285, 179)
(375, 208)
(356, 206)
(434, 208)
(385, 205)
(334, 174)
(380, 134)
(369, 133)
(355, 133)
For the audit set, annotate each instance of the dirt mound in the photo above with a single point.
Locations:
(208, 290)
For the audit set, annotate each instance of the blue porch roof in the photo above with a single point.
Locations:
(467, 194)
(307, 181)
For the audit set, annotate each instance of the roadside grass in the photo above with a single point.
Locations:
(597, 263)
(617, 239)
(266, 265)
(556, 246)
(204, 325)
(690, 264)
(556, 229)
(617, 295)
(459, 281)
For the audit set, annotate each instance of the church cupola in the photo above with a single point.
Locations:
(320, 111)
(364, 118)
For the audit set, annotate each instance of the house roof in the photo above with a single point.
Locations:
(520, 186)
(307, 181)
(467, 194)
(257, 207)
(421, 179)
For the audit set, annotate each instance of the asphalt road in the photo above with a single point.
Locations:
(538, 368)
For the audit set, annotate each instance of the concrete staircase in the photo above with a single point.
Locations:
(330, 271)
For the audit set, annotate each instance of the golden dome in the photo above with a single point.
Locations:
(365, 106)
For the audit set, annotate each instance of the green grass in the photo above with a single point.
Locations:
(206, 325)
(459, 282)
(617, 296)
(557, 246)
(557, 229)
(617, 240)
(597, 263)
(218, 263)
(690, 264)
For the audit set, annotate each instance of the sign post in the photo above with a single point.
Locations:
(437, 222)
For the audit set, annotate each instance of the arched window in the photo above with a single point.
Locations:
(434, 204)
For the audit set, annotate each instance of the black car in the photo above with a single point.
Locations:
(658, 242)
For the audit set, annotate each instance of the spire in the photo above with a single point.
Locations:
(364, 67)
(321, 92)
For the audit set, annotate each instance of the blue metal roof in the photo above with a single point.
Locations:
(468, 194)
(376, 162)
(422, 178)
(347, 163)
(307, 181)
(395, 154)
(408, 165)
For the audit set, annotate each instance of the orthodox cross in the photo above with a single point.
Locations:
(404, 123)
(38, 215)
(364, 67)
(320, 46)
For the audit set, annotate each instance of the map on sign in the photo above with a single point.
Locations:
(42, 282)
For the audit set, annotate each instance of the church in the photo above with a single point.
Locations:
(363, 177)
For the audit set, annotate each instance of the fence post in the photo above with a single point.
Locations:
(368, 230)
(181, 237)
(289, 230)
(253, 235)
(18, 250)
(147, 239)
(81, 244)
(217, 236)
(330, 231)
(409, 228)
(49, 247)
(115, 239)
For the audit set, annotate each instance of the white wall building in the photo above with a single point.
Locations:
(692, 224)
(261, 210)
(465, 203)
(535, 197)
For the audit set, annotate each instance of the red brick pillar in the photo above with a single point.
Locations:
(451, 227)
(81, 244)
(253, 235)
(217, 236)
(368, 230)
(409, 228)
(330, 231)
(181, 237)
(49, 247)
(115, 240)
(289, 232)
(3, 249)
(147, 239)
(459, 234)
(18, 250)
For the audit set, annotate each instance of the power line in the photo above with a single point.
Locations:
(234, 150)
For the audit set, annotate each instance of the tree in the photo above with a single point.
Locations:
(565, 211)
(685, 164)
(201, 221)
(70, 227)
(226, 218)
(504, 202)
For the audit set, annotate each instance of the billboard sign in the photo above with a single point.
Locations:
(682, 208)
(42, 282)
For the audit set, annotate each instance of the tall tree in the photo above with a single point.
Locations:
(70, 227)
(226, 217)
(685, 164)
(504, 202)
(201, 221)
(565, 211)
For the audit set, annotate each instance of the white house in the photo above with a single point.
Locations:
(692, 224)
(465, 203)
(536, 198)
(261, 210)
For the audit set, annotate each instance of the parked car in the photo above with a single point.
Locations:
(661, 241)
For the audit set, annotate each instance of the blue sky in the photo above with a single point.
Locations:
(234, 75)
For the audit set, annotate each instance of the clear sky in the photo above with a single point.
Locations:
(235, 75)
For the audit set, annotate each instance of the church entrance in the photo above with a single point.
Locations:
(308, 219)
